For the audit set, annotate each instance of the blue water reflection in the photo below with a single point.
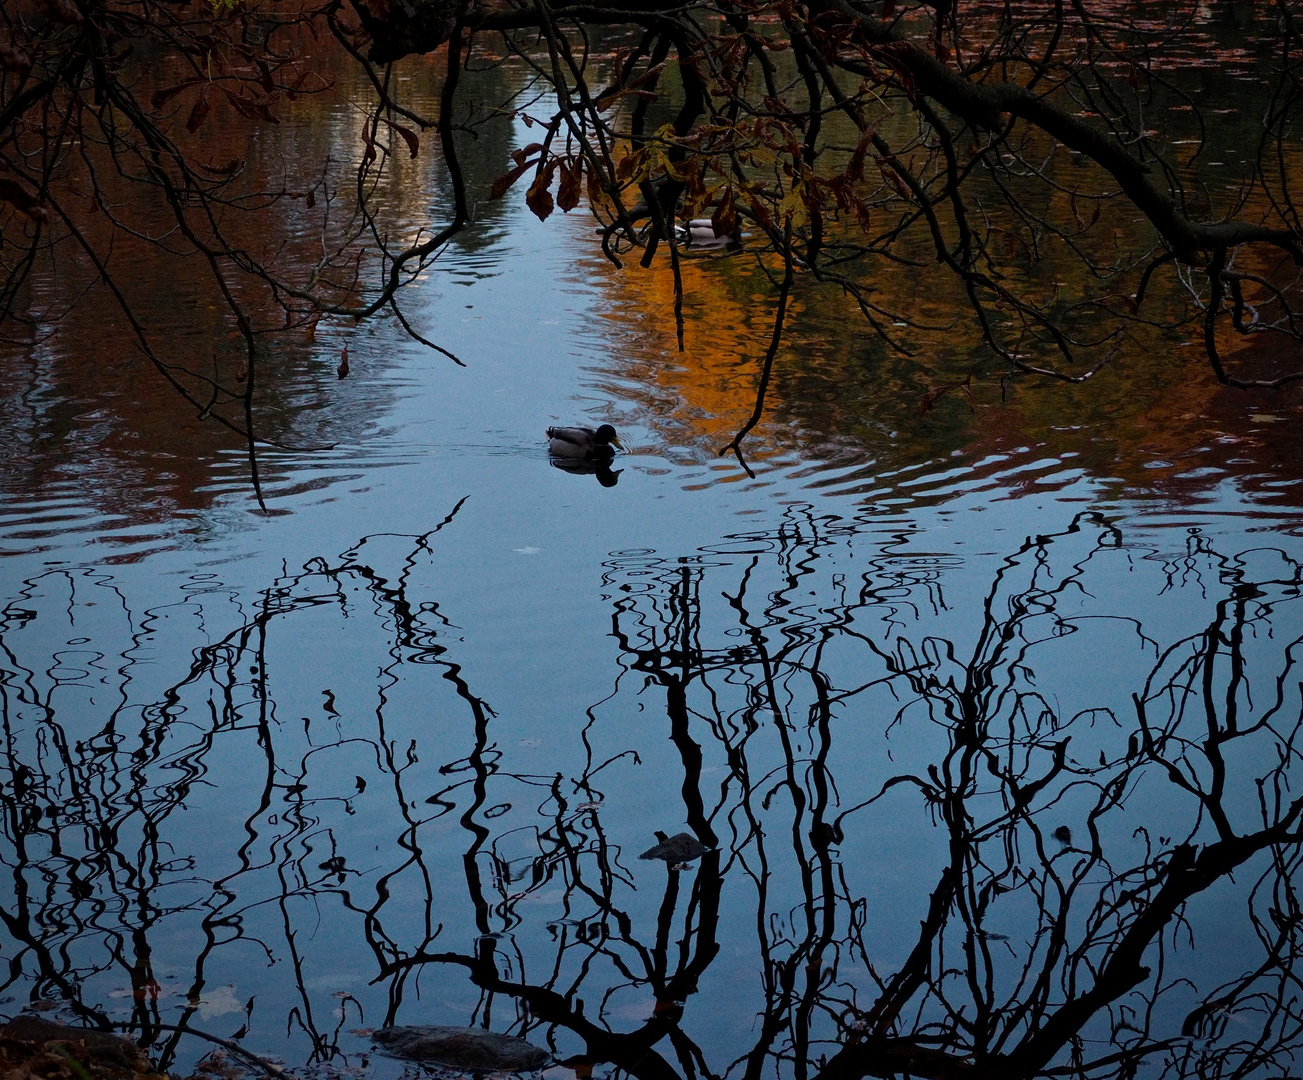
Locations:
(389, 753)
(406, 782)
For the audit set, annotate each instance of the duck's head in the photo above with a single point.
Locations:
(606, 436)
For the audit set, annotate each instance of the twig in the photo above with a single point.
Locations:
(226, 1044)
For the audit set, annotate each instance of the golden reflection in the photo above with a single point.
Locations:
(1156, 418)
(696, 399)
(83, 407)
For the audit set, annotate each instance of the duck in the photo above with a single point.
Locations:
(700, 233)
(582, 442)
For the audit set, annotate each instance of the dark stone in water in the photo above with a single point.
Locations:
(100, 1045)
(461, 1047)
(679, 848)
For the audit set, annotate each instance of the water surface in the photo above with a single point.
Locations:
(388, 752)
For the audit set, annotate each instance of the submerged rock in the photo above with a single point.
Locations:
(461, 1047)
(679, 848)
(95, 1045)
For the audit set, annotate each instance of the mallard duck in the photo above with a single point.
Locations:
(582, 442)
(700, 233)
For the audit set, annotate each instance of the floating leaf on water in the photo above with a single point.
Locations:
(219, 1001)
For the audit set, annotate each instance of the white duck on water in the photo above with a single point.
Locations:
(582, 442)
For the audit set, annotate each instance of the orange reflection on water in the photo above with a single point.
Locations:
(698, 398)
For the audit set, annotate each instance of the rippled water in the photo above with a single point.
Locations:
(297, 774)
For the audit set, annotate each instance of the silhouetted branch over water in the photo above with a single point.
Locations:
(996, 190)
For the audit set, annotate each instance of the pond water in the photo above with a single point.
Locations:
(389, 752)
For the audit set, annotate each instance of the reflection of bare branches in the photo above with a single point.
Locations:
(1059, 859)
(1005, 768)
(234, 704)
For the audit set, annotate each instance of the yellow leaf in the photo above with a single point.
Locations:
(793, 206)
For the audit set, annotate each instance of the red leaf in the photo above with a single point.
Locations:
(649, 77)
(595, 193)
(539, 199)
(898, 54)
(861, 213)
(519, 156)
(724, 219)
(162, 97)
(964, 386)
(264, 77)
(502, 183)
(249, 108)
(409, 136)
(202, 108)
(855, 167)
(759, 209)
(567, 196)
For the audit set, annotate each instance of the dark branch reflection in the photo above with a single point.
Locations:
(1040, 825)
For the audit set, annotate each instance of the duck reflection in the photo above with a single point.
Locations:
(606, 476)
